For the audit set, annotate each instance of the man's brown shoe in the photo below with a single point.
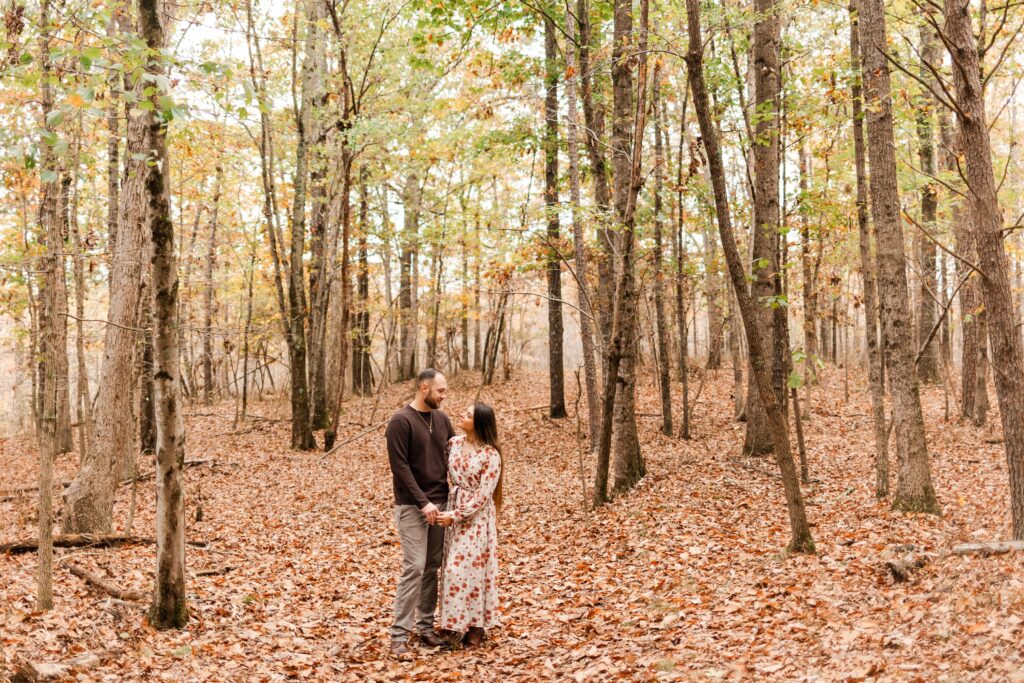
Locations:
(432, 639)
(400, 651)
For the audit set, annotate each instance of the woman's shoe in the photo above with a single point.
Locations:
(474, 637)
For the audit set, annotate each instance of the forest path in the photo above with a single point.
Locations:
(683, 578)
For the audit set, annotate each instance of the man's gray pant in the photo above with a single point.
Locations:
(422, 553)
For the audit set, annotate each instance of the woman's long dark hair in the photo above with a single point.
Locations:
(485, 428)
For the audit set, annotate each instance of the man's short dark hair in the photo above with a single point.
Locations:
(426, 375)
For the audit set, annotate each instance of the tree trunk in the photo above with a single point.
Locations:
(362, 373)
(584, 300)
(407, 281)
(83, 397)
(928, 362)
(52, 327)
(987, 224)
(914, 490)
(807, 262)
(556, 370)
(627, 144)
(169, 608)
(664, 373)
(89, 501)
(801, 540)
(867, 267)
(208, 296)
(766, 67)
(312, 63)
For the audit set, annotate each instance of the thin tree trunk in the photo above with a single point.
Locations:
(169, 608)
(52, 326)
(928, 362)
(83, 397)
(407, 281)
(867, 266)
(810, 298)
(208, 296)
(584, 300)
(766, 67)
(556, 369)
(801, 540)
(312, 63)
(664, 372)
(914, 490)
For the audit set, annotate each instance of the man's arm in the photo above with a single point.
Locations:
(397, 436)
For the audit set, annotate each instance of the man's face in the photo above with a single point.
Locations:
(434, 391)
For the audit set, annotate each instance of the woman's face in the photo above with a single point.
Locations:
(466, 421)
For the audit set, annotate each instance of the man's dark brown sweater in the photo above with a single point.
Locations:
(419, 464)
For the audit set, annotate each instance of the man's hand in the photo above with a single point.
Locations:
(431, 512)
(446, 518)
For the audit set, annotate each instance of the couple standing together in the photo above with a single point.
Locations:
(447, 493)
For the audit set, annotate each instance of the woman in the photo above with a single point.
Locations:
(469, 581)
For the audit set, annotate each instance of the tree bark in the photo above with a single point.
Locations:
(914, 490)
(208, 296)
(52, 325)
(312, 62)
(867, 267)
(362, 373)
(407, 281)
(89, 501)
(801, 540)
(556, 369)
(928, 362)
(766, 66)
(987, 224)
(169, 608)
(664, 372)
(583, 295)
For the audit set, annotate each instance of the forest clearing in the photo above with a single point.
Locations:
(511, 340)
(684, 578)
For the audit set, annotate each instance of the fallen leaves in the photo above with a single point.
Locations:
(682, 579)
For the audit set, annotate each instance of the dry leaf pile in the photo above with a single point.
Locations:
(683, 578)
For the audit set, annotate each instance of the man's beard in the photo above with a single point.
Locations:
(432, 402)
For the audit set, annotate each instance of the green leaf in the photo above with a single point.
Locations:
(795, 380)
(54, 117)
(48, 176)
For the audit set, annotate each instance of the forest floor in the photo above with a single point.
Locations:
(683, 578)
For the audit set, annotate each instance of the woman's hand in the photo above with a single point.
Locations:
(445, 518)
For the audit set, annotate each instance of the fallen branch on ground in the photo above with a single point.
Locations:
(27, 672)
(75, 541)
(988, 548)
(106, 586)
(220, 571)
(357, 436)
(83, 541)
(901, 567)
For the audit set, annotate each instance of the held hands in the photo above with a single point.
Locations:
(446, 518)
(430, 511)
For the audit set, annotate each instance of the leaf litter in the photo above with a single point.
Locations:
(683, 578)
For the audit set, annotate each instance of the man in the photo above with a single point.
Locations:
(417, 436)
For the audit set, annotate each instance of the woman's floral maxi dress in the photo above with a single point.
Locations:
(469, 582)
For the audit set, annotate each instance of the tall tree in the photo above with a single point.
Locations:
(169, 608)
(928, 294)
(208, 292)
(800, 539)
(664, 372)
(867, 268)
(583, 291)
(556, 369)
(987, 229)
(312, 74)
(767, 84)
(914, 489)
(89, 500)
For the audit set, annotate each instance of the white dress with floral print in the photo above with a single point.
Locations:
(469, 581)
